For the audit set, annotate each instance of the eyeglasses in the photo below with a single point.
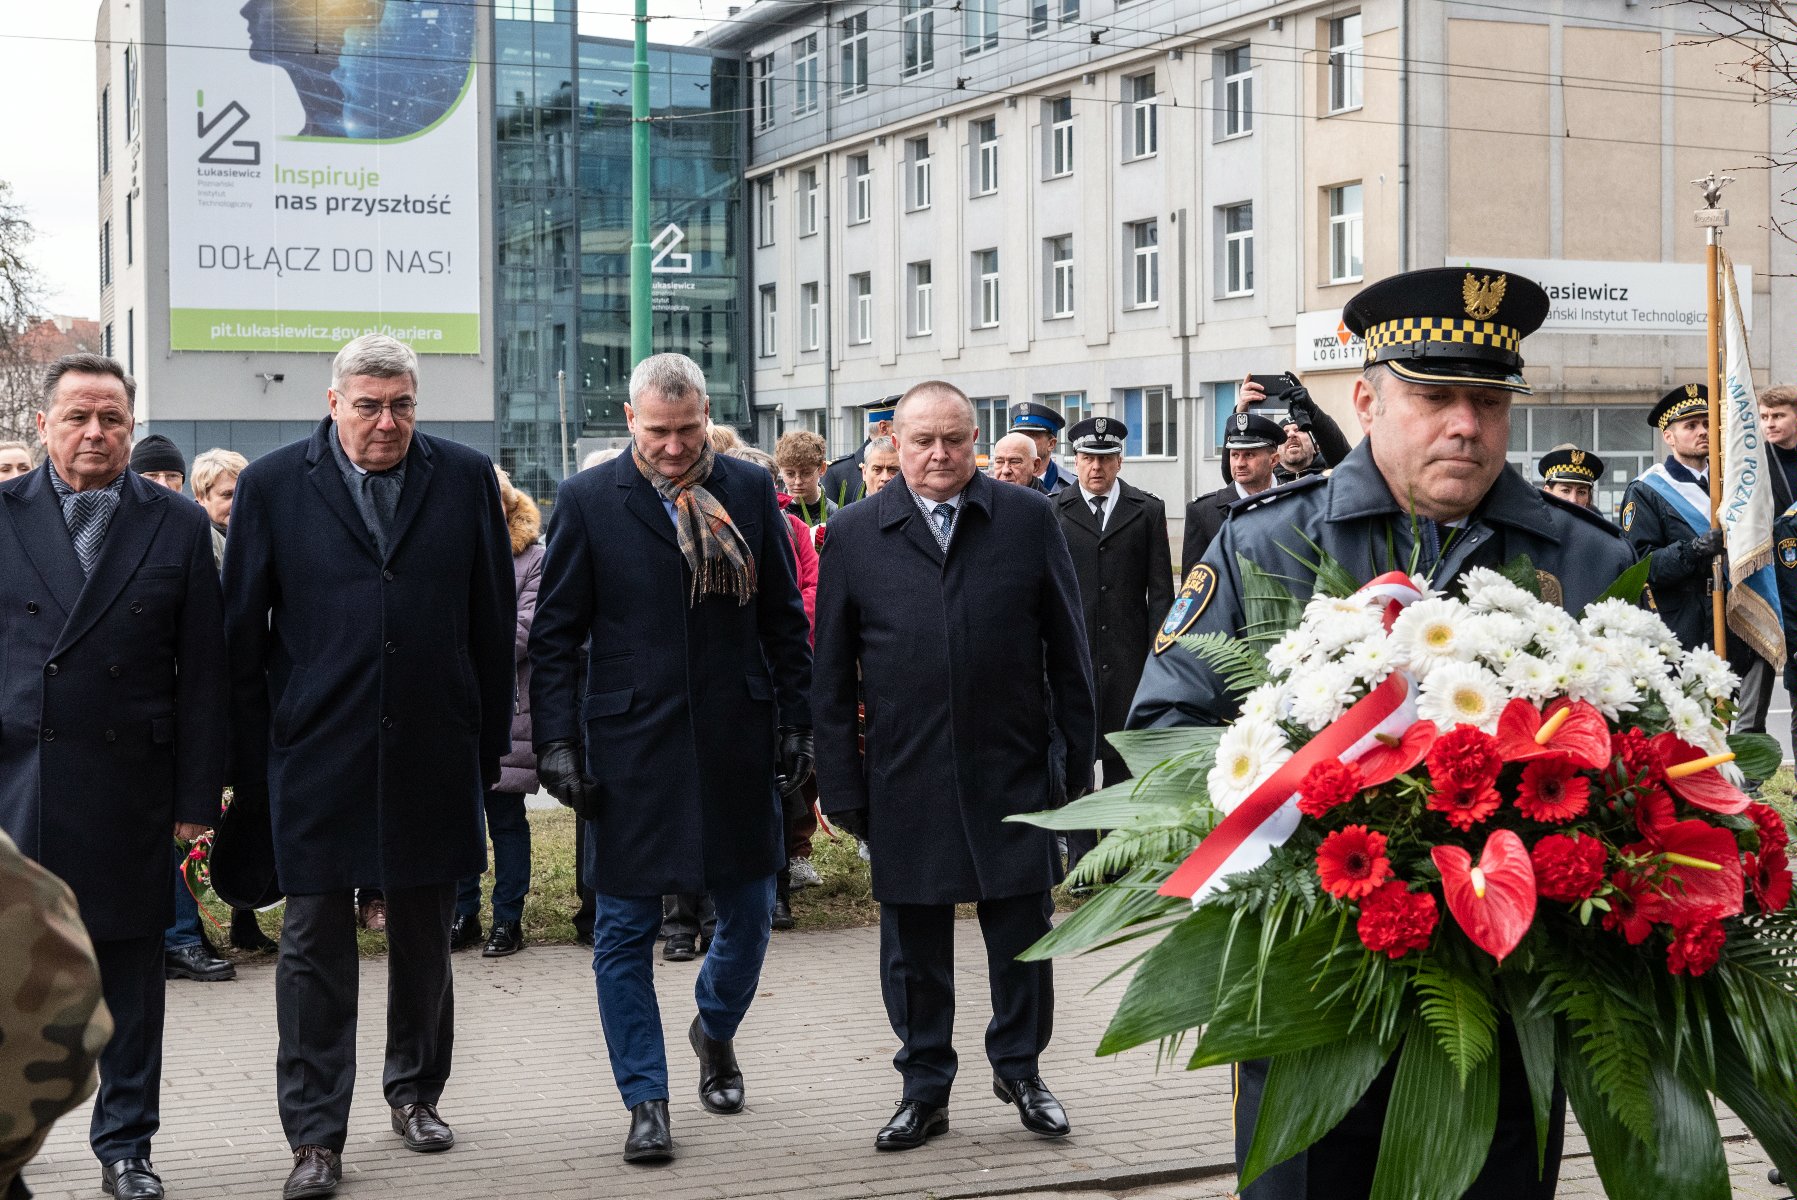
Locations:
(402, 410)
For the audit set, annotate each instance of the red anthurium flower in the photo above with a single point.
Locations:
(1552, 791)
(1769, 875)
(1574, 729)
(1494, 901)
(1699, 867)
(1351, 862)
(1704, 787)
(1388, 760)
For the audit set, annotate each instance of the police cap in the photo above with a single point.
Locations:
(1251, 431)
(1030, 417)
(1098, 435)
(1455, 325)
(1569, 464)
(878, 410)
(1685, 400)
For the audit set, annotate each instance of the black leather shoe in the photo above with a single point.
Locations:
(507, 938)
(651, 1139)
(196, 962)
(1042, 1114)
(464, 932)
(680, 947)
(720, 1079)
(911, 1126)
(782, 913)
(316, 1172)
(246, 934)
(131, 1179)
(422, 1129)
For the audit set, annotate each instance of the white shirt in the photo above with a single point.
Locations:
(1110, 504)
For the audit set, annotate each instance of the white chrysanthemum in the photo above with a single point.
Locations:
(1619, 617)
(1497, 637)
(1690, 720)
(1554, 631)
(1319, 610)
(1247, 753)
(1371, 661)
(1265, 703)
(1348, 629)
(1487, 591)
(1710, 672)
(1321, 695)
(1616, 694)
(1531, 677)
(1285, 654)
(1459, 693)
(1428, 634)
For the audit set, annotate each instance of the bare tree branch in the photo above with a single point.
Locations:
(21, 294)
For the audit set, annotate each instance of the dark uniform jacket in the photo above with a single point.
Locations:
(374, 694)
(1204, 517)
(1678, 577)
(682, 702)
(959, 658)
(1125, 586)
(842, 482)
(113, 696)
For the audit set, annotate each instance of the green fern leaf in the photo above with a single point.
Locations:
(1616, 1044)
(1241, 665)
(1460, 1014)
(1126, 849)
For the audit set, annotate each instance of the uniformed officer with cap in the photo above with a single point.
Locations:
(1251, 444)
(1571, 474)
(1044, 425)
(1443, 363)
(842, 482)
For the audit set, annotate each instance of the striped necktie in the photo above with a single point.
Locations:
(86, 528)
(945, 523)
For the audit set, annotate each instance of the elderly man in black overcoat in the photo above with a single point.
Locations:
(113, 703)
(370, 613)
(670, 573)
(948, 602)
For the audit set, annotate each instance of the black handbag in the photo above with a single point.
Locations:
(243, 854)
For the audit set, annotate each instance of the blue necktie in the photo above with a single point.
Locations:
(945, 520)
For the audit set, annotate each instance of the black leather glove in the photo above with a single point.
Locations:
(559, 767)
(796, 757)
(1708, 545)
(1299, 404)
(852, 820)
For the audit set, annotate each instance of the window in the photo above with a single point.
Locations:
(861, 289)
(106, 341)
(1060, 137)
(992, 418)
(1153, 423)
(804, 75)
(130, 341)
(854, 55)
(1145, 261)
(1344, 233)
(808, 202)
(106, 130)
(917, 153)
(1038, 22)
(985, 270)
(1238, 92)
(764, 212)
(979, 26)
(1238, 249)
(985, 156)
(861, 190)
(130, 94)
(106, 254)
(808, 316)
(1073, 405)
(762, 69)
(1143, 138)
(1060, 276)
(769, 329)
(923, 299)
(918, 34)
(1345, 64)
(130, 232)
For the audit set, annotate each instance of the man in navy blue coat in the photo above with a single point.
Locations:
(370, 613)
(113, 704)
(670, 572)
(949, 604)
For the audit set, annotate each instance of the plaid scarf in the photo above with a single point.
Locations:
(714, 551)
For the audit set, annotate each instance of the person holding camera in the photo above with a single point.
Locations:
(1312, 443)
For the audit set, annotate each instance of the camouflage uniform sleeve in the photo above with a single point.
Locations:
(53, 1023)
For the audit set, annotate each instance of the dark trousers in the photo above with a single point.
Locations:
(917, 978)
(583, 916)
(510, 830)
(689, 913)
(315, 1008)
(127, 1109)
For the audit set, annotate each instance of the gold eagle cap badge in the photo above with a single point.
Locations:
(1690, 391)
(1578, 458)
(1483, 295)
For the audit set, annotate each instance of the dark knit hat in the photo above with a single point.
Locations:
(157, 453)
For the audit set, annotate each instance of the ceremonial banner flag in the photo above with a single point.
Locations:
(1747, 508)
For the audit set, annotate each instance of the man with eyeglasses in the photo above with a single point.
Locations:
(369, 611)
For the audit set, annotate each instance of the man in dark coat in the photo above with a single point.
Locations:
(949, 602)
(113, 708)
(370, 613)
(843, 482)
(1117, 535)
(670, 571)
(1252, 445)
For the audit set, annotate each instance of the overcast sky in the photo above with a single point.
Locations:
(47, 148)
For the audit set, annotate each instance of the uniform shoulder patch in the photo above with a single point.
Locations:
(1303, 484)
(1194, 596)
(1787, 552)
(1628, 516)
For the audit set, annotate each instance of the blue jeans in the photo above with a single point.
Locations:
(624, 930)
(510, 831)
(184, 930)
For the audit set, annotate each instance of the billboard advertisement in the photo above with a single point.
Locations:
(323, 167)
(1620, 297)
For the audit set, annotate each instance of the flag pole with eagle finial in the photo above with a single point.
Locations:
(1712, 216)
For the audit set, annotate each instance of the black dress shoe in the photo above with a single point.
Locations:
(196, 962)
(246, 934)
(782, 913)
(680, 947)
(1041, 1112)
(422, 1129)
(464, 932)
(651, 1139)
(131, 1179)
(911, 1126)
(316, 1172)
(507, 938)
(720, 1079)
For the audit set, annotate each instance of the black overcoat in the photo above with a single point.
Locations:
(1204, 519)
(374, 695)
(682, 702)
(1125, 586)
(960, 657)
(113, 696)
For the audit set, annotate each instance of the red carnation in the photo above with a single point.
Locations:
(1327, 785)
(1696, 943)
(1465, 757)
(1769, 877)
(1553, 792)
(1395, 920)
(1773, 834)
(1639, 759)
(1568, 869)
(1634, 905)
(1351, 862)
(1465, 807)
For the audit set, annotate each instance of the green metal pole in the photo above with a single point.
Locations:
(640, 342)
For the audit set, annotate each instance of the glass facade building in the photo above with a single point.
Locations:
(562, 217)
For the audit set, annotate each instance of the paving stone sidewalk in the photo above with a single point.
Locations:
(536, 1114)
